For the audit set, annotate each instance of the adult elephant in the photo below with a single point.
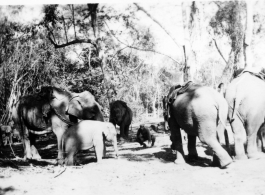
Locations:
(199, 111)
(246, 99)
(52, 109)
(121, 114)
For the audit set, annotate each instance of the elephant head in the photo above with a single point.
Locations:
(84, 106)
(111, 135)
(117, 111)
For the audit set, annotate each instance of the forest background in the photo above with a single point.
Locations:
(125, 51)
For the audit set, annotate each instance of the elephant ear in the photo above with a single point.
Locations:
(109, 131)
(75, 108)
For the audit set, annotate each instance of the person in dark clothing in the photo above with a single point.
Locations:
(143, 134)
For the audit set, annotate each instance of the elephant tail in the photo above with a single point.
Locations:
(221, 128)
(236, 103)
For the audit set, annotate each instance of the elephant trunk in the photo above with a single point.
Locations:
(99, 115)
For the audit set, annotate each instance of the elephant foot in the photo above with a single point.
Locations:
(215, 162)
(229, 166)
(60, 161)
(35, 153)
(255, 156)
(179, 158)
(241, 157)
(180, 161)
(27, 158)
(192, 157)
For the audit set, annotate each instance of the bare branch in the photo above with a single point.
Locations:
(219, 51)
(149, 15)
(76, 41)
(73, 14)
(140, 49)
(64, 25)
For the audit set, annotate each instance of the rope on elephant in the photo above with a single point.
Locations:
(12, 149)
(63, 119)
(61, 172)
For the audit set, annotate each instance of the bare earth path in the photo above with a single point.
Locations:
(137, 171)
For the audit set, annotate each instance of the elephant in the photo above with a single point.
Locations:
(121, 114)
(6, 133)
(246, 99)
(85, 135)
(200, 111)
(165, 114)
(52, 109)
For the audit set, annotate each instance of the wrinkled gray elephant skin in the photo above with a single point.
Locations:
(246, 99)
(49, 110)
(200, 111)
(85, 135)
(121, 114)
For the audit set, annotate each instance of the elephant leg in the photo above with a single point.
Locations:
(193, 155)
(261, 139)
(259, 142)
(122, 135)
(34, 151)
(252, 131)
(11, 138)
(239, 137)
(104, 149)
(70, 150)
(222, 136)
(153, 138)
(219, 152)
(59, 128)
(69, 159)
(176, 141)
(26, 144)
(99, 149)
(126, 130)
(59, 134)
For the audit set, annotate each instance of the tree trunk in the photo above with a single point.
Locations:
(235, 60)
(192, 25)
(248, 35)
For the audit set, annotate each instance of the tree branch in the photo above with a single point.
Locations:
(149, 15)
(64, 25)
(76, 41)
(219, 51)
(140, 49)
(73, 15)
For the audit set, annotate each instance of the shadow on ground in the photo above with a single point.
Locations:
(4, 191)
(47, 147)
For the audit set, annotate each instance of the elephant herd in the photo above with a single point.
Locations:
(77, 120)
(202, 111)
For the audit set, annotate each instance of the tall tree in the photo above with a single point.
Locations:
(192, 15)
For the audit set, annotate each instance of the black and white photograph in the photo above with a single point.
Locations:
(132, 97)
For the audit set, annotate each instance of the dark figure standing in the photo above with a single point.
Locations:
(143, 134)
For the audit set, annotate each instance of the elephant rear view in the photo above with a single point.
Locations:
(200, 111)
(121, 114)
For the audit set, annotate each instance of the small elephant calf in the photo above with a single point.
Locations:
(85, 135)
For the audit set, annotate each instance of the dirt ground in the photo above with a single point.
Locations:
(137, 171)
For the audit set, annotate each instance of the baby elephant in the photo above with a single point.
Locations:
(85, 135)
